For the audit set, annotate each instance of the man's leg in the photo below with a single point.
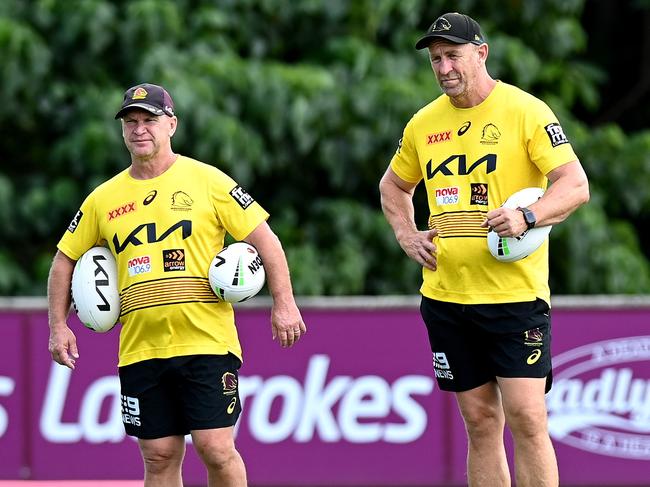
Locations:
(526, 416)
(163, 459)
(216, 447)
(484, 421)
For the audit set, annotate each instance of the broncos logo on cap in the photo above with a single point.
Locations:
(441, 24)
(139, 94)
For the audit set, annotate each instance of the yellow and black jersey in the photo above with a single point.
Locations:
(471, 161)
(164, 233)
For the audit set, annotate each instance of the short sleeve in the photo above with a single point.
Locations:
(235, 208)
(82, 232)
(548, 145)
(405, 162)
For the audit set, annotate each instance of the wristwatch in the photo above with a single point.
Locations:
(529, 217)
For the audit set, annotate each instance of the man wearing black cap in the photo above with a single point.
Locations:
(488, 321)
(164, 218)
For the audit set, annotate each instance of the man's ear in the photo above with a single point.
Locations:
(174, 124)
(483, 51)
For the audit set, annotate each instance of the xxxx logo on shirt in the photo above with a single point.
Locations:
(121, 210)
(439, 137)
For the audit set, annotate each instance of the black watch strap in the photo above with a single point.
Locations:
(529, 217)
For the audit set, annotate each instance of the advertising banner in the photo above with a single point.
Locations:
(599, 407)
(354, 403)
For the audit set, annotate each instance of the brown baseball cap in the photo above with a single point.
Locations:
(150, 97)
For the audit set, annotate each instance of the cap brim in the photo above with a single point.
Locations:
(428, 38)
(145, 106)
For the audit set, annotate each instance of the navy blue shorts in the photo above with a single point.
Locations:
(474, 344)
(170, 397)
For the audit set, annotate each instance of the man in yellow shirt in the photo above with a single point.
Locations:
(488, 321)
(179, 351)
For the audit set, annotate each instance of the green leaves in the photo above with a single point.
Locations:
(593, 254)
(303, 103)
(25, 63)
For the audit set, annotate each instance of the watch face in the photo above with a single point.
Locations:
(530, 218)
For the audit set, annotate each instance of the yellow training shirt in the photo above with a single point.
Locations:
(472, 160)
(164, 233)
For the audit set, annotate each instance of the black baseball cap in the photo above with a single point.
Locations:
(454, 27)
(153, 98)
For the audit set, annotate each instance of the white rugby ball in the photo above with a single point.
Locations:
(236, 273)
(511, 249)
(95, 294)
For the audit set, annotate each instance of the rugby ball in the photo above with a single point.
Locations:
(95, 294)
(511, 249)
(236, 273)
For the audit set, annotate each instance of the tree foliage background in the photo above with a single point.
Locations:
(303, 104)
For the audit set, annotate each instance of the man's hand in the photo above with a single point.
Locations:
(506, 222)
(419, 246)
(397, 205)
(63, 345)
(287, 324)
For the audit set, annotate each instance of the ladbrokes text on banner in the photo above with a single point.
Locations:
(360, 386)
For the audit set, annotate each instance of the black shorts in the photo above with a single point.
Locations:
(169, 397)
(474, 344)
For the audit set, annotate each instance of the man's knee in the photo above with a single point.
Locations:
(216, 454)
(527, 421)
(162, 457)
(482, 411)
(483, 420)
